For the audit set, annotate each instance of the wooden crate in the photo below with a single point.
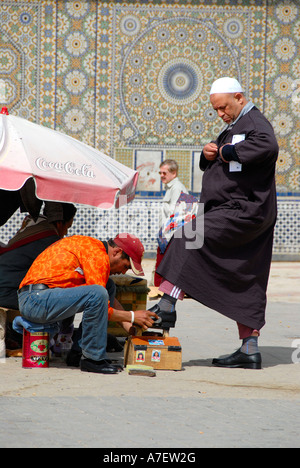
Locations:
(160, 352)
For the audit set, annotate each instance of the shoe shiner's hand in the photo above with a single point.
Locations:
(144, 318)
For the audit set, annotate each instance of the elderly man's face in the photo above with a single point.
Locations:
(228, 106)
(166, 175)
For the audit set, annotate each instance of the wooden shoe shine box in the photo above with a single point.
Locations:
(159, 352)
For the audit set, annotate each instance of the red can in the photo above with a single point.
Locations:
(35, 349)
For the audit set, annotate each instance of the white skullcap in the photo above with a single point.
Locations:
(226, 85)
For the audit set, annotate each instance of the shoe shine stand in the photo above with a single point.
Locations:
(155, 348)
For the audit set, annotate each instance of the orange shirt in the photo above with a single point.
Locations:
(69, 262)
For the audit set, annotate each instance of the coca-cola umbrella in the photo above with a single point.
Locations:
(63, 168)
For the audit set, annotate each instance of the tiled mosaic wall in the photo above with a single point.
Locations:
(133, 78)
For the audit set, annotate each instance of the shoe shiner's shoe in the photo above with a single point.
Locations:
(165, 319)
(239, 360)
(113, 345)
(99, 367)
(118, 366)
(73, 358)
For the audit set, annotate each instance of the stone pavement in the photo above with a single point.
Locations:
(200, 406)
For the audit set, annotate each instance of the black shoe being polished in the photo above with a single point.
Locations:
(165, 319)
(239, 360)
(99, 367)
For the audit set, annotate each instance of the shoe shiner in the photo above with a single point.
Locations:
(70, 277)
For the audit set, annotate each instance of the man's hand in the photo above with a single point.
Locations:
(143, 318)
(210, 151)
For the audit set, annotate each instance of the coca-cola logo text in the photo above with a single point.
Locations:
(68, 167)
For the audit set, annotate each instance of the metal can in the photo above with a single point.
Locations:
(35, 349)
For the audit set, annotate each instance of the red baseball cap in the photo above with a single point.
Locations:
(133, 247)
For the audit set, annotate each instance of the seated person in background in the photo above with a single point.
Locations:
(168, 171)
(17, 256)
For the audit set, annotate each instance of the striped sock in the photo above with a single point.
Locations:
(167, 303)
(176, 292)
(171, 290)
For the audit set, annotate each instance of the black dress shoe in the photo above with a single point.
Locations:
(119, 367)
(165, 319)
(73, 358)
(113, 345)
(99, 367)
(240, 360)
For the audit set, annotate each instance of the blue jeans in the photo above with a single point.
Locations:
(76, 338)
(56, 304)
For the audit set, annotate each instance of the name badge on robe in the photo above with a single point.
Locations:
(235, 166)
(238, 138)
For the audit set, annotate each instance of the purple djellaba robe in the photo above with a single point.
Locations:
(230, 272)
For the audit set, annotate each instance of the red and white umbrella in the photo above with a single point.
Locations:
(63, 168)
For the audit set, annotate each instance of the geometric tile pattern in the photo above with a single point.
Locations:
(77, 84)
(168, 59)
(135, 75)
(287, 233)
(282, 89)
(27, 59)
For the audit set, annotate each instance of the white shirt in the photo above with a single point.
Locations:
(173, 191)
